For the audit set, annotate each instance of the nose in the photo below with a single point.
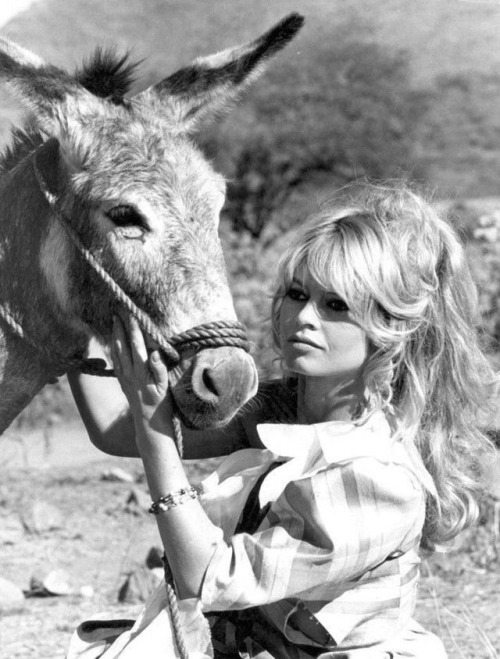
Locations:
(224, 377)
(308, 315)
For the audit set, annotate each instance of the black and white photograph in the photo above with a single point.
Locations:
(250, 329)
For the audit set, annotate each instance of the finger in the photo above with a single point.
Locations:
(114, 356)
(138, 348)
(159, 370)
(121, 354)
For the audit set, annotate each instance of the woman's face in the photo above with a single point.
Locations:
(318, 336)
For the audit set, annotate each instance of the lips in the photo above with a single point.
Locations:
(302, 340)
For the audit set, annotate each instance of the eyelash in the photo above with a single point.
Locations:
(340, 305)
(336, 304)
(295, 294)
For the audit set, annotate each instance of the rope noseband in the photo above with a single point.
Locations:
(213, 334)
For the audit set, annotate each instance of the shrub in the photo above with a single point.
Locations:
(349, 111)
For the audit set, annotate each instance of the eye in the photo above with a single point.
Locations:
(125, 215)
(336, 304)
(296, 294)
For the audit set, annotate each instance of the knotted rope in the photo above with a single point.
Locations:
(214, 334)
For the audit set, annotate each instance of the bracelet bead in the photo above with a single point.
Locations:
(174, 499)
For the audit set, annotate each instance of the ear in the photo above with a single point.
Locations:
(50, 169)
(20, 55)
(211, 83)
(42, 86)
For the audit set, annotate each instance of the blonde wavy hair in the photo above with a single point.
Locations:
(403, 274)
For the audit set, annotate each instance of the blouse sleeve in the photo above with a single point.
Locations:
(329, 527)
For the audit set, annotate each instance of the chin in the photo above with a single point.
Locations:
(306, 370)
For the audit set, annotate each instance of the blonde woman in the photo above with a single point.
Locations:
(305, 542)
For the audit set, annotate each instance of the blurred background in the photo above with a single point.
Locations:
(368, 89)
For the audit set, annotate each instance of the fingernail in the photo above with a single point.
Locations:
(155, 356)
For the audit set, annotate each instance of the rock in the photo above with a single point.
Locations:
(55, 582)
(4, 495)
(11, 597)
(11, 529)
(117, 474)
(139, 585)
(138, 499)
(42, 517)
(86, 591)
(154, 559)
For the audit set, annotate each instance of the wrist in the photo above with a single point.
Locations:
(154, 424)
(162, 466)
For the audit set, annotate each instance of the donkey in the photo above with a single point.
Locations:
(141, 198)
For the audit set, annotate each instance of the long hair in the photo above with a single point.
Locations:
(403, 274)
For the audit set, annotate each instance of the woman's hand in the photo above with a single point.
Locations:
(188, 536)
(143, 378)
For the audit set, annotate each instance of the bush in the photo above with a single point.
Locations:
(350, 112)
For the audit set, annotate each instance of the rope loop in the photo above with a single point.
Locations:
(214, 334)
(217, 333)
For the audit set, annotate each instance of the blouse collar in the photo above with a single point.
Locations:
(337, 440)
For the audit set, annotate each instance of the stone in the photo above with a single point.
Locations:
(86, 591)
(154, 559)
(11, 597)
(138, 499)
(41, 517)
(11, 530)
(54, 582)
(139, 584)
(118, 475)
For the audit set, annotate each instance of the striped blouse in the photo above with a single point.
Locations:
(339, 539)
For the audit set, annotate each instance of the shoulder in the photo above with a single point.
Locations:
(380, 477)
(275, 402)
(356, 501)
(365, 482)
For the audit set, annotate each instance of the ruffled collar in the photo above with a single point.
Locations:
(337, 441)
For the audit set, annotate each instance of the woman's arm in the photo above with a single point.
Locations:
(189, 538)
(105, 412)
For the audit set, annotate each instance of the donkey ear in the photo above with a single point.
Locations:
(42, 85)
(20, 55)
(211, 83)
(50, 168)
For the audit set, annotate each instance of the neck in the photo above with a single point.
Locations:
(320, 399)
(24, 292)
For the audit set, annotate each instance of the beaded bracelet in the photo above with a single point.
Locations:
(175, 498)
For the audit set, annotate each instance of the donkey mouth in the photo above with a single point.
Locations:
(214, 386)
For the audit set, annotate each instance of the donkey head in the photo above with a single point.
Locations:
(143, 199)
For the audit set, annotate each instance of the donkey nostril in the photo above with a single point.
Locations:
(209, 382)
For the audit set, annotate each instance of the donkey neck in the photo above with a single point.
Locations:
(24, 227)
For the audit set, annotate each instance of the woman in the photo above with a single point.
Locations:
(305, 541)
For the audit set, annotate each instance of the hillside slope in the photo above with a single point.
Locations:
(454, 50)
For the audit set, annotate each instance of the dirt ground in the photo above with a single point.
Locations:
(102, 539)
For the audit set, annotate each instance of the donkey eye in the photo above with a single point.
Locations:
(126, 216)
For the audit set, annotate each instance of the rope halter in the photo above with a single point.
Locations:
(214, 334)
